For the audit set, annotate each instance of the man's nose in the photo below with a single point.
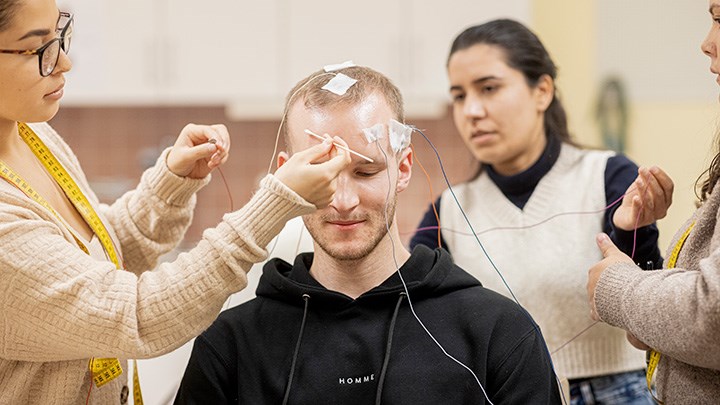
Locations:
(346, 197)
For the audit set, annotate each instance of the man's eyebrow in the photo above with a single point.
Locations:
(378, 161)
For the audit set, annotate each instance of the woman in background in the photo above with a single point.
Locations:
(673, 313)
(73, 279)
(505, 107)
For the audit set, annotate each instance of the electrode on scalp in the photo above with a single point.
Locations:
(339, 84)
(309, 132)
(338, 66)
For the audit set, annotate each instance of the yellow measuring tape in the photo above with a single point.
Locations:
(653, 357)
(106, 369)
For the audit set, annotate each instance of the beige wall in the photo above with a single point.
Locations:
(678, 138)
(675, 135)
(571, 43)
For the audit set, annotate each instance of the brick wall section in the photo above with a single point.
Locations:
(114, 145)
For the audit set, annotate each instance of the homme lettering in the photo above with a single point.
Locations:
(356, 380)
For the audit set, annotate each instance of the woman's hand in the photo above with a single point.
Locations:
(636, 342)
(198, 150)
(611, 255)
(312, 172)
(646, 200)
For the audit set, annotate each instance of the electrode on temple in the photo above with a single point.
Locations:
(373, 133)
(399, 135)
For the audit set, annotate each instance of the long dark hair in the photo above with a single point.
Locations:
(7, 11)
(524, 52)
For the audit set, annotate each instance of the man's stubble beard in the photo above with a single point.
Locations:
(365, 250)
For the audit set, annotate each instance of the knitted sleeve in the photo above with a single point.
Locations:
(673, 311)
(57, 303)
(148, 221)
(152, 219)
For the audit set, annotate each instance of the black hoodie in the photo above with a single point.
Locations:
(299, 343)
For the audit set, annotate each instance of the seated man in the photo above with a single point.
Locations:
(338, 326)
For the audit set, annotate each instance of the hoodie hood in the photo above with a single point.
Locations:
(427, 274)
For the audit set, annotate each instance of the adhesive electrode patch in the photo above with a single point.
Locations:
(339, 84)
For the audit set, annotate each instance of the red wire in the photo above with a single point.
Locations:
(227, 188)
(432, 196)
(87, 400)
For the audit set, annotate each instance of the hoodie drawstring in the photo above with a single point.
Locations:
(388, 348)
(306, 298)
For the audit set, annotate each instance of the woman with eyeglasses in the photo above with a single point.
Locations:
(75, 294)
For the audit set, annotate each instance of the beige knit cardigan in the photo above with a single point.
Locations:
(676, 312)
(59, 306)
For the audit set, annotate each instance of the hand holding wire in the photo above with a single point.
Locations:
(611, 255)
(646, 200)
(199, 149)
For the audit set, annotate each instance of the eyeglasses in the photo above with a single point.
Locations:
(49, 53)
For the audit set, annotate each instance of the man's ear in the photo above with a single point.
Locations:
(282, 158)
(404, 169)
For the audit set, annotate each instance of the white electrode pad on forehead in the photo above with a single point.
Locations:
(373, 133)
(338, 66)
(339, 84)
(399, 135)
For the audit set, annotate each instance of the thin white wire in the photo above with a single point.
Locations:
(407, 293)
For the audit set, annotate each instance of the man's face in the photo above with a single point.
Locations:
(354, 223)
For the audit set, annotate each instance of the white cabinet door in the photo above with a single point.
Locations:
(114, 52)
(313, 33)
(173, 52)
(322, 32)
(250, 53)
(406, 40)
(219, 50)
